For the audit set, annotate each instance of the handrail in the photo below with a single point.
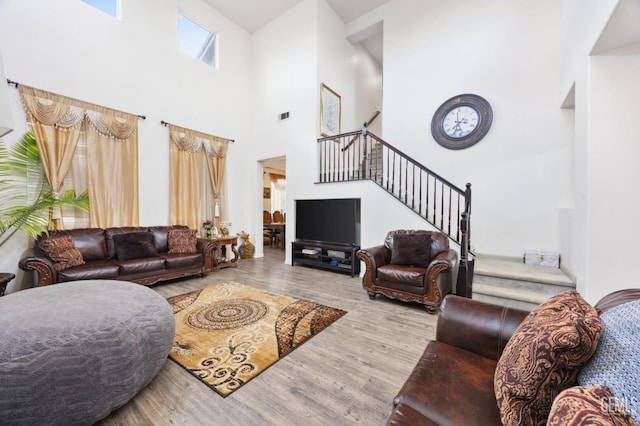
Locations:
(426, 169)
(360, 155)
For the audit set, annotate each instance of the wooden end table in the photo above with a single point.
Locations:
(4, 280)
(221, 261)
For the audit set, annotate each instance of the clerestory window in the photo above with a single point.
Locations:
(110, 7)
(196, 41)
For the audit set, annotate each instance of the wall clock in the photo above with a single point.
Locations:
(461, 121)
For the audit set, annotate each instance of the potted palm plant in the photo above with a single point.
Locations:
(27, 198)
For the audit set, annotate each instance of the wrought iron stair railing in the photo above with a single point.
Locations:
(361, 155)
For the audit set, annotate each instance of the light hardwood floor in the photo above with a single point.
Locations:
(348, 374)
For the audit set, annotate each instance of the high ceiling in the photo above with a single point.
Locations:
(254, 14)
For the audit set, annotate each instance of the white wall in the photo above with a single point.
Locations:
(292, 56)
(507, 52)
(133, 65)
(613, 172)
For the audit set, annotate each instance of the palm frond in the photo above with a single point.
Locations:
(27, 196)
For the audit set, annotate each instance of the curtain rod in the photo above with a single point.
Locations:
(15, 83)
(166, 123)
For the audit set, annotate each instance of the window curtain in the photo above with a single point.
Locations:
(56, 127)
(112, 154)
(112, 166)
(197, 171)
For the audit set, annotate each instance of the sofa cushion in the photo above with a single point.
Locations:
(93, 270)
(134, 245)
(141, 265)
(616, 360)
(411, 249)
(182, 241)
(594, 405)
(182, 261)
(62, 252)
(543, 357)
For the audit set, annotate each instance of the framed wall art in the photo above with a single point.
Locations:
(330, 111)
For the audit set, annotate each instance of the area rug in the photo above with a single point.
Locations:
(227, 334)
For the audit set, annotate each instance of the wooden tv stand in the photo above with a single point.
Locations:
(334, 257)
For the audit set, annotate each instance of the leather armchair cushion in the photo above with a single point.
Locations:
(134, 245)
(62, 252)
(594, 405)
(409, 275)
(411, 249)
(543, 357)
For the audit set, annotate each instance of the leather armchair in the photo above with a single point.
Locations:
(411, 266)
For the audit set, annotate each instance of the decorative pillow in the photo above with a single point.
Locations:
(593, 405)
(182, 240)
(62, 252)
(543, 357)
(616, 360)
(134, 245)
(411, 249)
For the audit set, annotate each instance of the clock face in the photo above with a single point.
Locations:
(461, 121)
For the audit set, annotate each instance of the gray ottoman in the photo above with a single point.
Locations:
(71, 353)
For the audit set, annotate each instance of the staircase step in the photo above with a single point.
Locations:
(509, 282)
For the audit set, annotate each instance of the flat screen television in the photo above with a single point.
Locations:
(329, 220)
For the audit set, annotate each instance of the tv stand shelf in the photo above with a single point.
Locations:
(326, 255)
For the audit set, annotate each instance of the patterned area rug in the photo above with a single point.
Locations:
(227, 334)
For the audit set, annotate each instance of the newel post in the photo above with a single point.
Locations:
(464, 283)
(363, 167)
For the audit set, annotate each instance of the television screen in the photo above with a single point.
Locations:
(329, 220)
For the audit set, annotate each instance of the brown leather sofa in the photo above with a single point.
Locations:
(394, 270)
(101, 262)
(452, 383)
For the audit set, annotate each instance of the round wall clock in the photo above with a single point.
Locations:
(461, 121)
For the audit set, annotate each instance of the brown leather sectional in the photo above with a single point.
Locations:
(452, 383)
(97, 248)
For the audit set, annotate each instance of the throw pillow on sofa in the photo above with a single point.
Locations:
(543, 357)
(593, 405)
(62, 252)
(182, 241)
(616, 360)
(134, 245)
(411, 249)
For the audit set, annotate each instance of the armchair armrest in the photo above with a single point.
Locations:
(375, 256)
(478, 327)
(34, 259)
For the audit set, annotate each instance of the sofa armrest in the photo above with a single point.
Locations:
(208, 249)
(478, 327)
(34, 259)
(616, 298)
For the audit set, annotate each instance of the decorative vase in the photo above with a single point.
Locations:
(246, 249)
(208, 232)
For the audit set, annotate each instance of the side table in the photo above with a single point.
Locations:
(221, 261)
(4, 280)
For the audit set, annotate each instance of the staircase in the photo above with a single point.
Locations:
(509, 282)
(361, 155)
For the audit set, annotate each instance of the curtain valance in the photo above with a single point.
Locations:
(63, 112)
(193, 141)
